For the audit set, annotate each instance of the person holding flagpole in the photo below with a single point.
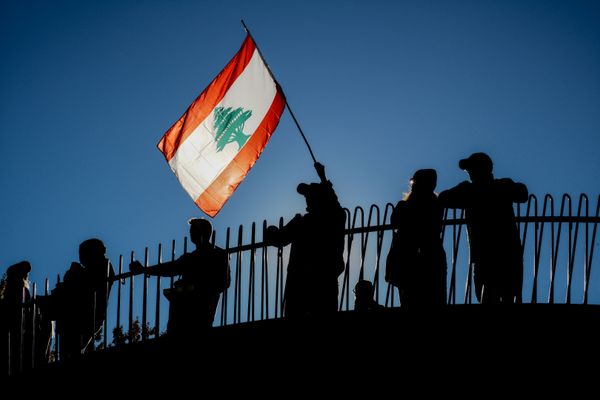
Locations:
(316, 256)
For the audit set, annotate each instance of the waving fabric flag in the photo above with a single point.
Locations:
(218, 139)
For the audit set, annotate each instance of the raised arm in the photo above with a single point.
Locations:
(321, 172)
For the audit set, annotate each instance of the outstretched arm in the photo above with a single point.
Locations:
(456, 197)
(164, 269)
(275, 236)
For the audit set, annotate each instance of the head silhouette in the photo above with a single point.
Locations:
(18, 271)
(363, 290)
(423, 181)
(200, 230)
(312, 192)
(91, 250)
(479, 166)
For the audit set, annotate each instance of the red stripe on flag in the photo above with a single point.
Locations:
(206, 102)
(219, 191)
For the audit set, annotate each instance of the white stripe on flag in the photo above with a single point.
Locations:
(253, 90)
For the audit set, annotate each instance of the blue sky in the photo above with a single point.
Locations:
(381, 88)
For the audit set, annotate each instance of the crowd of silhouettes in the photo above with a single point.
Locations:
(415, 265)
(76, 309)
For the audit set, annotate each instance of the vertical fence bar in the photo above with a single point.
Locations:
(131, 283)
(389, 293)
(582, 198)
(349, 239)
(552, 252)
(237, 305)
(569, 255)
(107, 286)
(264, 282)
(20, 333)
(586, 249)
(251, 273)
(531, 199)
(588, 266)
(279, 295)
(172, 278)
(158, 293)
(456, 234)
(33, 320)
(364, 240)
(452, 291)
(119, 284)
(48, 349)
(58, 329)
(145, 297)
(536, 251)
(225, 294)
(573, 251)
(565, 198)
(378, 249)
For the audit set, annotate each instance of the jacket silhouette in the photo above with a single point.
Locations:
(494, 243)
(80, 301)
(15, 321)
(316, 254)
(416, 264)
(205, 274)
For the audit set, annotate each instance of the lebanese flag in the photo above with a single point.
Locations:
(218, 139)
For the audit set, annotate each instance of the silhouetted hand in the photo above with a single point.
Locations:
(136, 267)
(270, 233)
(320, 171)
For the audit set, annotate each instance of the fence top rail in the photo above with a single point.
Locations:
(448, 221)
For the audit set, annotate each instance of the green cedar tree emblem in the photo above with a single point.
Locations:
(229, 125)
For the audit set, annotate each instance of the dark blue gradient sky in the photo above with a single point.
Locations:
(381, 89)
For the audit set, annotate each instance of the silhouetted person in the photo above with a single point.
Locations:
(205, 274)
(81, 299)
(495, 246)
(416, 264)
(364, 296)
(316, 256)
(15, 323)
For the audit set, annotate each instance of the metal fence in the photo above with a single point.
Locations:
(558, 240)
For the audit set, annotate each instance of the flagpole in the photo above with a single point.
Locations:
(284, 96)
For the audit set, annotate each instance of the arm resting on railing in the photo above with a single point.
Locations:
(171, 268)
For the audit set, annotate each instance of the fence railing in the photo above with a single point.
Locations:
(558, 240)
